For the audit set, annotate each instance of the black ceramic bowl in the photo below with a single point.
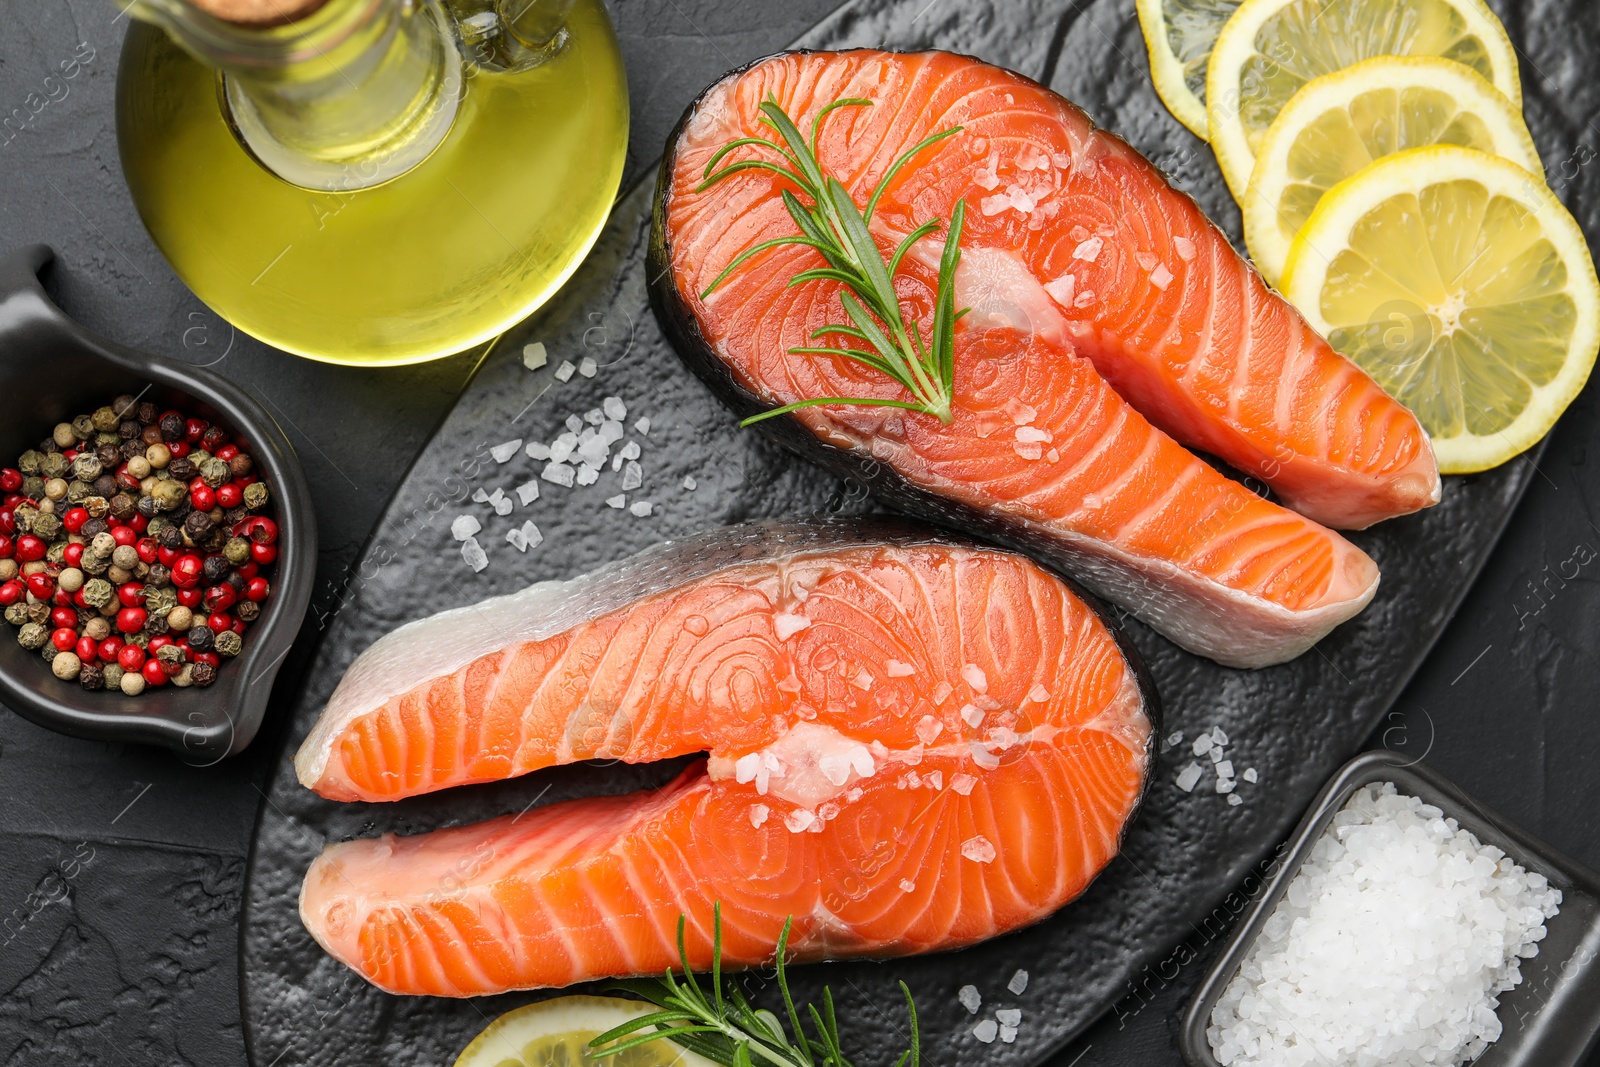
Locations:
(1551, 1020)
(52, 369)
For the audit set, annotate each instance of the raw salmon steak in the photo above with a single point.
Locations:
(911, 744)
(1103, 302)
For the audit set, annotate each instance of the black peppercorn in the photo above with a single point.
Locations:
(123, 507)
(129, 429)
(236, 582)
(214, 568)
(247, 610)
(201, 639)
(150, 435)
(148, 412)
(93, 527)
(213, 439)
(171, 536)
(234, 516)
(91, 676)
(131, 448)
(241, 465)
(202, 674)
(213, 541)
(182, 468)
(197, 525)
(106, 486)
(146, 507)
(172, 427)
(160, 575)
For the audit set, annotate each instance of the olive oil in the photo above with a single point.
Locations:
(443, 256)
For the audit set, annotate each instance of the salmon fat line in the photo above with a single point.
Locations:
(837, 229)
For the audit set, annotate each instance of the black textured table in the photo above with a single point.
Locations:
(122, 868)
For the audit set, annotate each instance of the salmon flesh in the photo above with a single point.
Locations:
(1109, 321)
(911, 744)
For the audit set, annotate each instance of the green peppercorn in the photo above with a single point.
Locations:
(24, 514)
(229, 643)
(46, 526)
(113, 676)
(32, 636)
(236, 551)
(33, 486)
(214, 471)
(106, 419)
(255, 495)
(97, 592)
(160, 601)
(56, 554)
(167, 495)
(17, 614)
(92, 677)
(39, 612)
(141, 639)
(30, 461)
(54, 466)
(170, 654)
(78, 492)
(87, 467)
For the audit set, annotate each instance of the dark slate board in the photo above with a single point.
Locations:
(1185, 853)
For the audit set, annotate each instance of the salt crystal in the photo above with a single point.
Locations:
(1146, 261)
(1061, 290)
(630, 450)
(594, 416)
(640, 509)
(1184, 248)
(464, 527)
(941, 693)
(1202, 744)
(689, 483)
(972, 715)
(786, 626)
(1161, 277)
(564, 372)
(588, 475)
(587, 367)
(1084, 299)
(1028, 451)
(614, 408)
(559, 474)
(1218, 736)
(1216, 753)
(1088, 250)
(799, 820)
(527, 493)
(1234, 800)
(595, 452)
(963, 783)
(929, 729)
(619, 501)
(1032, 434)
(643, 426)
(1008, 1034)
(525, 537)
(611, 431)
(973, 675)
(1249, 775)
(978, 849)
(474, 555)
(1226, 785)
(503, 451)
(1225, 768)
(500, 502)
(537, 450)
(562, 447)
(632, 475)
(1018, 984)
(907, 886)
(1189, 777)
(1009, 1016)
(480, 495)
(970, 998)
(758, 815)
(533, 355)
(986, 1031)
(862, 681)
(1174, 740)
(574, 422)
(1038, 694)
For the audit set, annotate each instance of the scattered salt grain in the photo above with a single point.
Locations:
(619, 501)
(758, 814)
(564, 372)
(689, 483)
(525, 537)
(1161, 277)
(1215, 754)
(799, 820)
(559, 474)
(1225, 769)
(978, 849)
(1175, 739)
(1391, 946)
(1189, 777)
(500, 502)
(575, 423)
(1202, 744)
(630, 449)
(970, 998)
(614, 408)
(537, 450)
(972, 715)
(562, 447)
(595, 451)
(1061, 290)
(986, 1031)
(1018, 984)
(587, 367)
(1217, 736)
(1184, 248)
(473, 554)
(643, 426)
(907, 886)
(612, 431)
(1038, 694)
(464, 527)
(1008, 1034)
(973, 675)
(1249, 775)
(533, 355)
(1226, 785)
(941, 693)
(929, 729)
(1084, 299)
(480, 495)
(527, 493)
(1089, 250)
(1009, 1016)
(1234, 800)
(632, 475)
(786, 625)
(503, 451)
(588, 475)
(862, 681)
(594, 416)
(640, 509)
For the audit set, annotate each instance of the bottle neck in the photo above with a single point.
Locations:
(353, 94)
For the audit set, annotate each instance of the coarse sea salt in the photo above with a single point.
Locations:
(1018, 984)
(970, 998)
(1390, 947)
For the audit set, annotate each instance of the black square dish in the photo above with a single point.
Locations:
(51, 369)
(1551, 1019)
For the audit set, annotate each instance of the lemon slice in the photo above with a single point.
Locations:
(1460, 283)
(1342, 121)
(1179, 35)
(559, 1031)
(1270, 48)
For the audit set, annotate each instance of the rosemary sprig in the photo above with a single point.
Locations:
(834, 226)
(724, 1026)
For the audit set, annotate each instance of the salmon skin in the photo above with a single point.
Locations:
(1043, 453)
(912, 744)
(1071, 236)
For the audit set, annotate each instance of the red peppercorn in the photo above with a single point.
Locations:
(229, 495)
(64, 617)
(80, 600)
(8, 519)
(72, 555)
(158, 643)
(190, 598)
(264, 554)
(149, 550)
(74, 519)
(12, 592)
(203, 497)
(124, 535)
(247, 479)
(88, 649)
(63, 599)
(41, 586)
(11, 500)
(208, 657)
(258, 528)
(65, 639)
(187, 571)
(131, 620)
(213, 439)
(179, 449)
(10, 480)
(71, 454)
(130, 658)
(139, 523)
(220, 597)
(257, 589)
(248, 570)
(7, 546)
(154, 673)
(219, 621)
(111, 650)
(131, 594)
(193, 429)
(227, 452)
(30, 548)
(169, 556)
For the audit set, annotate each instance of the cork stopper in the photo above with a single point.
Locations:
(258, 12)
